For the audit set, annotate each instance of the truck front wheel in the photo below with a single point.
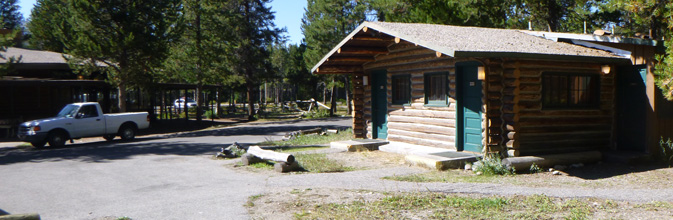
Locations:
(127, 132)
(56, 139)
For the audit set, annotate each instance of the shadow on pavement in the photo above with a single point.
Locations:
(101, 152)
(608, 170)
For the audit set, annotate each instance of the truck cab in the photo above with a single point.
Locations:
(78, 120)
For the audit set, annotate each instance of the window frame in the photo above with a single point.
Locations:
(594, 94)
(427, 89)
(394, 88)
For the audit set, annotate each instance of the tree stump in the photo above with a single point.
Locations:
(248, 159)
(283, 167)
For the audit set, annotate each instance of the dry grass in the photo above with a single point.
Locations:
(348, 204)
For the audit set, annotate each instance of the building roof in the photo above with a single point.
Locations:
(459, 41)
(33, 56)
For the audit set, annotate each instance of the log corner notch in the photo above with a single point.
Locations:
(283, 162)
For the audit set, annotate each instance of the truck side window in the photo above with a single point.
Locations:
(88, 111)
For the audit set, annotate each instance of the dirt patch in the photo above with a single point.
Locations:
(298, 203)
(368, 159)
(293, 203)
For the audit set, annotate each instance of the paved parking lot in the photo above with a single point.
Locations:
(169, 177)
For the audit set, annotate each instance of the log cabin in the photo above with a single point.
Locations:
(513, 92)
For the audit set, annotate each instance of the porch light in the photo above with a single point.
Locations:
(364, 80)
(481, 73)
(605, 69)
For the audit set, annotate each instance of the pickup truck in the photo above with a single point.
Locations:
(78, 120)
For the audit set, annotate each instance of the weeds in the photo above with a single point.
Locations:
(312, 139)
(534, 168)
(447, 176)
(666, 151)
(492, 165)
(252, 199)
(323, 113)
(319, 163)
(443, 206)
(266, 166)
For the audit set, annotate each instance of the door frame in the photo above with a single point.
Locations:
(460, 108)
(632, 128)
(379, 113)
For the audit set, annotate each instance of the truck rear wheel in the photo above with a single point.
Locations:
(127, 132)
(56, 139)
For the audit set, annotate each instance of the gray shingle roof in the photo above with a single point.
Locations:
(33, 56)
(460, 41)
(451, 40)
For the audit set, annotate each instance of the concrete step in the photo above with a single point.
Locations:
(358, 145)
(431, 157)
(443, 160)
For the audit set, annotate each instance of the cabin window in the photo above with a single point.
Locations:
(401, 89)
(436, 88)
(570, 90)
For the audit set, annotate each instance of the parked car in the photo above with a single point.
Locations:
(180, 103)
(78, 120)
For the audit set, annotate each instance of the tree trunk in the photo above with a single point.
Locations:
(333, 96)
(348, 94)
(251, 89)
(121, 98)
(186, 107)
(218, 101)
(199, 102)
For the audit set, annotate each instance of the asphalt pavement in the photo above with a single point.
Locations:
(175, 177)
(159, 177)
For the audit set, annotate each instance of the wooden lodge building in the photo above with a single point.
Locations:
(498, 90)
(42, 82)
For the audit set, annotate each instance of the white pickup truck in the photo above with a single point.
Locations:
(78, 120)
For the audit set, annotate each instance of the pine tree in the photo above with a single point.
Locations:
(10, 19)
(130, 37)
(325, 24)
(48, 26)
(10, 16)
(198, 57)
(253, 31)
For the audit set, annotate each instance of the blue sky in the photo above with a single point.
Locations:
(288, 15)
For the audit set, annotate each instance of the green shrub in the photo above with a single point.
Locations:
(534, 168)
(322, 113)
(666, 151)
(210, 114)
(492, 165)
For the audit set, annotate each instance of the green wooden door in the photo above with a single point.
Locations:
(469, 108)
(632, 105)
(379, 105)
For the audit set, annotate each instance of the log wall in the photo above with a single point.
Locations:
(529, 129)
(415, 123)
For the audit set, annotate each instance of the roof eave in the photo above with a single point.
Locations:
(561, 57)
(336, 48)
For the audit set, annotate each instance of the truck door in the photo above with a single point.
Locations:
(88, 122)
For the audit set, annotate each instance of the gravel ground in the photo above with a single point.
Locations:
(282, 190)
(175, 177)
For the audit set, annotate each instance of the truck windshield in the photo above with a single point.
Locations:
(68, 111)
